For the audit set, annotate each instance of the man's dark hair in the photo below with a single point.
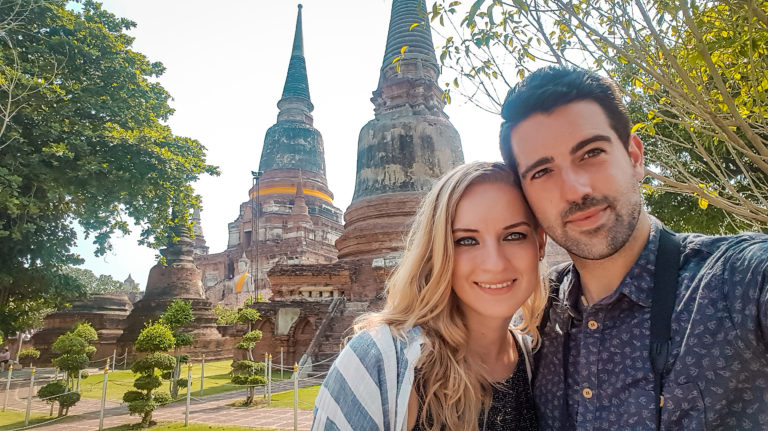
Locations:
(552, 87)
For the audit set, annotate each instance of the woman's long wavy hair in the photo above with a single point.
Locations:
(419, 292)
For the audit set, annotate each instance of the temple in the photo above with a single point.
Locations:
(289, 217)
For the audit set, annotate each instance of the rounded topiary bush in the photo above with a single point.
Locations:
(147, 383)
(133, 396)
(155, 338)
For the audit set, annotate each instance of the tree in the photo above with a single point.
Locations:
(57, 392)
(225, 316)
(94, 285)
(155, 340)
(178, 314)
(74, 348)
(695, 74)
(248, 372)
(86, 143)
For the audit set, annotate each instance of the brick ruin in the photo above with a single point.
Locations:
(288, 245)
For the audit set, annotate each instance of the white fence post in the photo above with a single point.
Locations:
(269, 381)
(295, 396)
(29, 396)
(114, 359)
(202, 375)
(103, 396)
(189, 393)
(8, 386)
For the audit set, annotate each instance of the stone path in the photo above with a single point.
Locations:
(210, 409)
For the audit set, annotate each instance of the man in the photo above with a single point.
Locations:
(567, 135)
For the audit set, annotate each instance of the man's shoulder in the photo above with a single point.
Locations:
(744, 249)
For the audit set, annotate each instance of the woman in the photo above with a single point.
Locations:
(441, 354)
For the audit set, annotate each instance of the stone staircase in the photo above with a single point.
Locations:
(337, 328)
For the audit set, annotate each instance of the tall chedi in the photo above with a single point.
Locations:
(289, 217)
(406, 147)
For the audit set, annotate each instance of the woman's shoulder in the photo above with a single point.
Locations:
(378, 339)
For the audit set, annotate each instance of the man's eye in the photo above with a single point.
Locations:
(465, 241)
(593, 153)
(540, 173)
(515, 236)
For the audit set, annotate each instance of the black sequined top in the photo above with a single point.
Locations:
(512, 405)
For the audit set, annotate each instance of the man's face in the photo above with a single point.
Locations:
(579, 179)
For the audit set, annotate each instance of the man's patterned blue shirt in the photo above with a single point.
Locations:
(716, 376)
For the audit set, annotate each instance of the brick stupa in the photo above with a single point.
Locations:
(178, 279)
(407, 146)
(291, 207)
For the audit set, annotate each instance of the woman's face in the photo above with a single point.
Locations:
(497, 244)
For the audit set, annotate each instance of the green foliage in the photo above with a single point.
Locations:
(248, 367)
(155, 360)
(85, 331)
(248, 315)
(225, 316)
(68, 400)
(183, 339)
(156, 337)
(695, 76)
(178, 314)
(56, 392)
(83, 140)
(71, 363)
(249, 340)
(182, 382)
(162, 398)
(147, 383)
(29, 355)
(93, 284)
(47, 392)
(133, 396)
(241, 379)
(74, 350)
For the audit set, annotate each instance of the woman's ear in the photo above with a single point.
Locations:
(541, 239)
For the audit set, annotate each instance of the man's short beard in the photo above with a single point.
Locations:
(626, 216)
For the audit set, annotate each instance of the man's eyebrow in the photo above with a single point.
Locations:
(584, 142)
(535, 165)
(575, 149)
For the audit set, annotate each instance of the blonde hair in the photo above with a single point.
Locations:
(419, 293)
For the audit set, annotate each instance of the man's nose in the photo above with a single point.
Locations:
(575, 185)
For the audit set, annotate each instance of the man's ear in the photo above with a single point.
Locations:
(635, 151)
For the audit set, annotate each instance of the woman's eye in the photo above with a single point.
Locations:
(464, 241)
(515, 236)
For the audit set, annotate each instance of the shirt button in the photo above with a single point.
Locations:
(592, 324)
(587, 393)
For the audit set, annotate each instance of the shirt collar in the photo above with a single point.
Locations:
(636, 285)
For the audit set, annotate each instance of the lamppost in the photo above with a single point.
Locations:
(255, 226)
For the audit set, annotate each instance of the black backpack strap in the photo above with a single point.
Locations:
(662, 303)
(556, 276)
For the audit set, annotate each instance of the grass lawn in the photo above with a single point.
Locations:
(121, 381)
(191, 427)
(285, 399)
(13, 419)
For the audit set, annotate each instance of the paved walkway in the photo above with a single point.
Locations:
(210, 409)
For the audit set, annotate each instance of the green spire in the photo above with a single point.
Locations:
(296, 84)
(418, 39)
